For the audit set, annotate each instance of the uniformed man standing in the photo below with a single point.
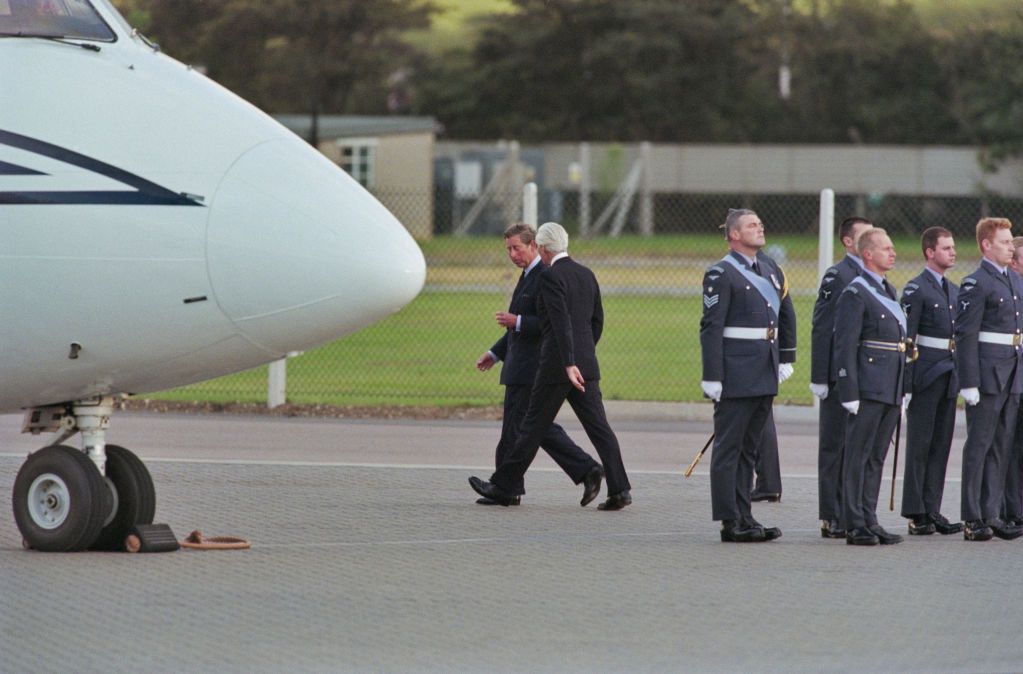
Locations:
(747, 315)
(870, 352)
(823, 377)
(989, 332)
(929, 301)
(1014, 475)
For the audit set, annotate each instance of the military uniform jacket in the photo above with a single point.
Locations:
(834, 281)
(520, 350)
(571, 321)
(745, 367)
(989, 302)
(867, 372)
(929, 312)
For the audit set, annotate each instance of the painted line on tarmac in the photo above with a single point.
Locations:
(559, 536)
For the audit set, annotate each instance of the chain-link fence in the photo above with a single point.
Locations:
(426, 353)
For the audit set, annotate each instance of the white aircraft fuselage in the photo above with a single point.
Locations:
(157, 230)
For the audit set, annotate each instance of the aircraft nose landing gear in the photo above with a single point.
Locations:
(62, 499)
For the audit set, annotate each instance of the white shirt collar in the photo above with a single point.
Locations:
(532, 265)
(558, 257)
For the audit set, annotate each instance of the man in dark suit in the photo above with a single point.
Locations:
(989, 334)
(571, 321)
(824, 377)
(747, 314)
(929, 301)
(870, 353)
(519, 348)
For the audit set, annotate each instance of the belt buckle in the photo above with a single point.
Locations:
(902, 347)
(1017, 339)
(770, 334)
(952, 345)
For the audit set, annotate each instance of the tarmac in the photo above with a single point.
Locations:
(369, 554)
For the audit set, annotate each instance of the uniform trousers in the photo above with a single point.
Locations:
(545, 400)
(990, 425)
(738, 427)
(830, 443)
(768, 467)
(867, 436)
(1014, 474)
(930, 423)
(568, 455)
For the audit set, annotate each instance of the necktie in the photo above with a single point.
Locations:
(756, 268)
(944, 286)
(889, 290)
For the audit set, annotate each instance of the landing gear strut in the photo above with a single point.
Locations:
(67, 499)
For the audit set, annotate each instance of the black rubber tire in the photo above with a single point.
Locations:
(136, 497)
(88, 499)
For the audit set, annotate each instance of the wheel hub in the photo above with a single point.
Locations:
(48, 501)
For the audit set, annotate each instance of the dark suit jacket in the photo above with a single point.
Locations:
(866, 373)
(745, 367)
(989, 302)
(929, 312)
(571, 321)
(834, 281)
(520, 350)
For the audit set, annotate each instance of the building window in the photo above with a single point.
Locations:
(357, 158)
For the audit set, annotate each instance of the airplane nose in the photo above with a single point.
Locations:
(300, 254)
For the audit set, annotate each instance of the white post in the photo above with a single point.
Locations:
(646, 198)
(826, 232)
(584, 189)
(825, 243)
(529, 205)
(277, 388)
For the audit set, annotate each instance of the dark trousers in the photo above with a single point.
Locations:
(768, 468)
(930, 423)
(867, 436)
(544, 402)
(568, 455)
(1014, 474)
(738, 427)
(830, 443)
(990, 425)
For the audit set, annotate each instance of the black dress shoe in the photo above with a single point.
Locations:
(944, 527)
(770, 497)
(591, 485)
(1004, 530)
(491, 491)
(860, 536)
(921, 525)
(884, 537)
(515, 500)
(770, 533)
(616, 501)
(735, 531)
(832, 529)
(976, 530)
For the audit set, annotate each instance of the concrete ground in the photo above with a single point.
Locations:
(369, 555)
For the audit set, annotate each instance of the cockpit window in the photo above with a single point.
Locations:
(76, 19)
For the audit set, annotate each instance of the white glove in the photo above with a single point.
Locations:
(906, 397)
(970, 395)
(852, 407)
(711, 389)
(819, 390)
(784, 372)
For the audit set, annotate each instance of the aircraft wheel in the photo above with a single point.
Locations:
(60, 500)
(134, 497)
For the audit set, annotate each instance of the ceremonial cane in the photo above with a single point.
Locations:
(895, 462)
(692, 466)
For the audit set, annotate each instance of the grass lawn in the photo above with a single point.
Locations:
(425, 355)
